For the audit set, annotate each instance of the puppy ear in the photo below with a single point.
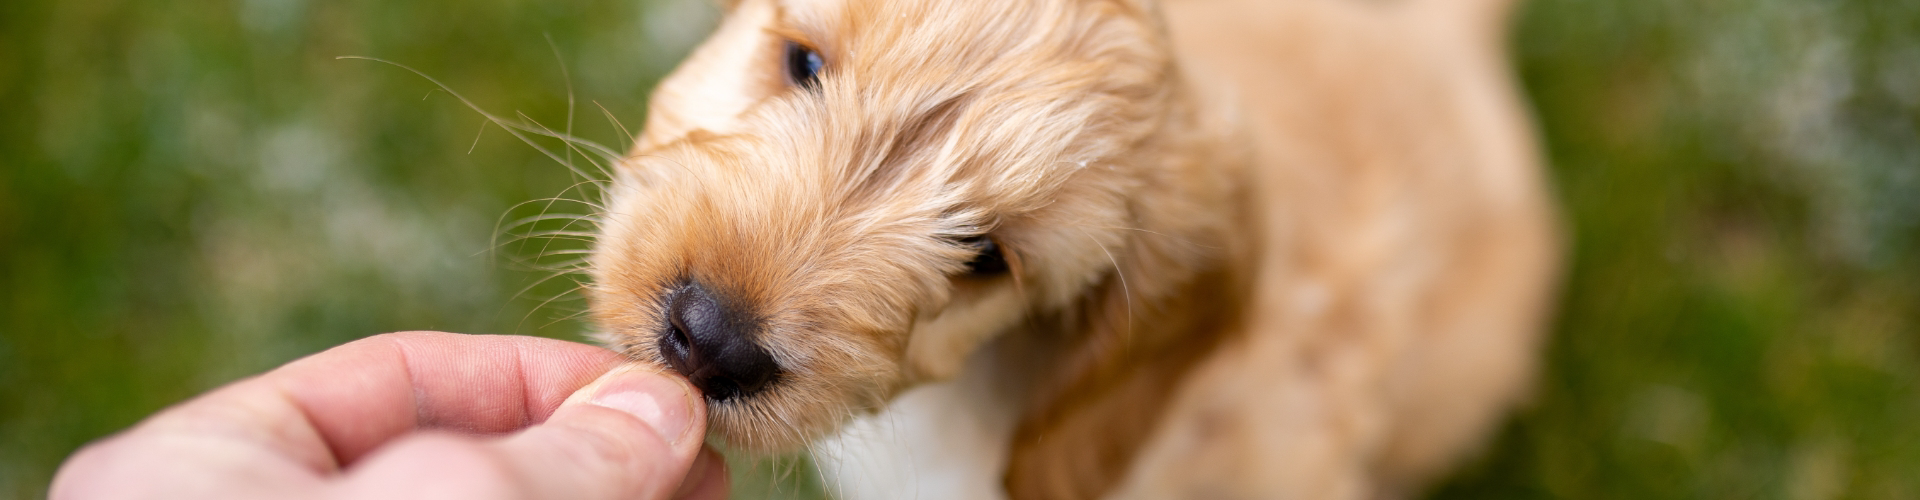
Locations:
(1113, 385)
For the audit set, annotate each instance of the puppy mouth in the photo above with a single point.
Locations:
(713, 342)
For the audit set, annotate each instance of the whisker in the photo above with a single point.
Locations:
(509, 126)
(588, 218)
(582, 251)
(562, 196)
(582, 312)
(521, 131)
(1176, 239)
(568, 79)
(549, 238)
(573, 144)
(501, 227)
(543, 304)
(569, 266)
(523, 290)
(581, 235)
(1126, 294)
(476, 138)
(616, 123)
(556, 199)
(572, 147)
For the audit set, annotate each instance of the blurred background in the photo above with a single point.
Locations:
(195, 191)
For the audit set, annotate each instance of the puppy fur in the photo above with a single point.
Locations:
(1258, 249)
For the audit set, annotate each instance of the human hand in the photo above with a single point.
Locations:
(419, 415)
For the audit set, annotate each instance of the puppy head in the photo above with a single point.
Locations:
(836, 199)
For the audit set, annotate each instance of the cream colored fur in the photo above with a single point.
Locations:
(1281, 249)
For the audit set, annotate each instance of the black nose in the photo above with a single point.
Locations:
(712, 344)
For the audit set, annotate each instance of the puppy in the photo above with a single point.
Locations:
(1089, 248)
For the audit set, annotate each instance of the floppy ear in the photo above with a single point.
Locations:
(1130, 343)
(1113, 384)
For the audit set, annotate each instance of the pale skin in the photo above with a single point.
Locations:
(419, 415)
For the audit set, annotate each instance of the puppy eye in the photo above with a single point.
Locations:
(990, 261)
(803, 65)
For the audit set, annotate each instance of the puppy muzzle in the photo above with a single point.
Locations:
(712, 341)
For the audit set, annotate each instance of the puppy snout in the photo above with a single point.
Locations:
(711, 342)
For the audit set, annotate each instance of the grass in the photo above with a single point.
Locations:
(190, 193)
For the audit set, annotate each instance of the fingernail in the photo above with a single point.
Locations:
(663, 403)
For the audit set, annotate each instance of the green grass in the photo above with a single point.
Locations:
(1740, 319)
(191, 192)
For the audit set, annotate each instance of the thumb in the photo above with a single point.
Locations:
(633, 433)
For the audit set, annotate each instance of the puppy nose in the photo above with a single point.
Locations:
(711, 343)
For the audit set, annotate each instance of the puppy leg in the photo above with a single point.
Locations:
(1270, 418)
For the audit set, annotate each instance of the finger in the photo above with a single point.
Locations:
(631, 434)
(169, 465)
(431, 465)
(330, 408)
(362, 394)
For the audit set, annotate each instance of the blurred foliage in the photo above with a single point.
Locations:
(194, 192)
(1742, 316)
(197, 191)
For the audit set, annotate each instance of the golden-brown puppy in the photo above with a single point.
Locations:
(1089, 248)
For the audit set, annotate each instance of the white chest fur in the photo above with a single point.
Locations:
(938, 441)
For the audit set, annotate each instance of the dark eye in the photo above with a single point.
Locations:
(803, 65)
(990, 261)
